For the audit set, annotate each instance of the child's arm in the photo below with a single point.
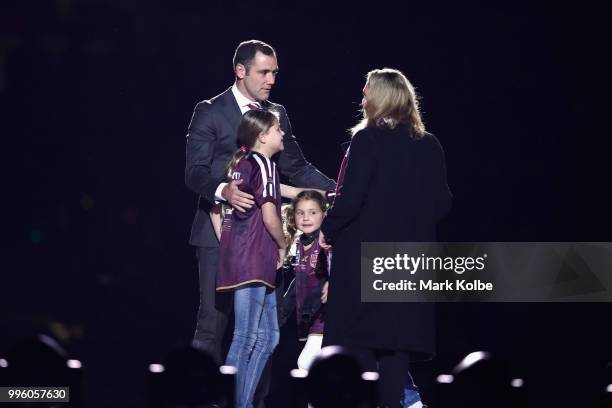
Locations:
(291, 192)
(275, 228)
(215, 218)
(324, 292)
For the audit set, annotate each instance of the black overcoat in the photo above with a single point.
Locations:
(394, 190)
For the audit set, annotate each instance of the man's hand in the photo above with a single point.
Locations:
(324, 292)
(282, 252)
(322, 243)
(240, 200)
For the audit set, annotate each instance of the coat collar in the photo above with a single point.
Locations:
(232, 110)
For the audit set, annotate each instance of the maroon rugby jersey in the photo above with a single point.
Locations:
(309, 272)
(247, 251)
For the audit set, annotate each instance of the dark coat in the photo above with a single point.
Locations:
(211, 142)
(394, 190)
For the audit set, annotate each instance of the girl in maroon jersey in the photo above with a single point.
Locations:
(306, 216)
(251, 248)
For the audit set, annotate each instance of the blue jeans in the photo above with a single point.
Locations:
(256, 335)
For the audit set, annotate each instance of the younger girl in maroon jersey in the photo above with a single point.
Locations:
(310, 268)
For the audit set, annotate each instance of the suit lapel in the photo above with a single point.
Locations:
(230, 108)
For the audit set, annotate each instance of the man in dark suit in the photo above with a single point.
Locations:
(211, 141)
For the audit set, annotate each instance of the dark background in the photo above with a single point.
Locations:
(96, 97)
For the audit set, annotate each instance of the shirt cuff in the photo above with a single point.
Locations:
(218, 197)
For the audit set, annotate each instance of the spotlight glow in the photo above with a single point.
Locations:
(472, 358)
(298, 373)
(227, 369)
(74, 364)
(609, 388)
(517, 382)
(3, 363)
(329, 351)
(370, 376)
(156, 368)
(445, 379)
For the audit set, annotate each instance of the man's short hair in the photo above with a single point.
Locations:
(245, 53)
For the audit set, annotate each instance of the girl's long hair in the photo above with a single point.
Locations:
(253, 123)
(391, 100)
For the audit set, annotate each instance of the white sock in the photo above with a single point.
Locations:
(310, 351)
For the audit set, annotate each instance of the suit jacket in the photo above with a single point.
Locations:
(394, 190)
(211, 142)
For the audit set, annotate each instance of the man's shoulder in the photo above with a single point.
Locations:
(275, 106)
(216, 101)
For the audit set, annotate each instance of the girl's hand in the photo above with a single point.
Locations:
(282, 252)
(322, 243)
(324, 292)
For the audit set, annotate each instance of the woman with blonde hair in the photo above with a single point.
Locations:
(392, 165)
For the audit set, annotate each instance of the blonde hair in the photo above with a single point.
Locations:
(391, 100)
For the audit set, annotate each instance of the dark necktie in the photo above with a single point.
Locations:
(254, 106)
